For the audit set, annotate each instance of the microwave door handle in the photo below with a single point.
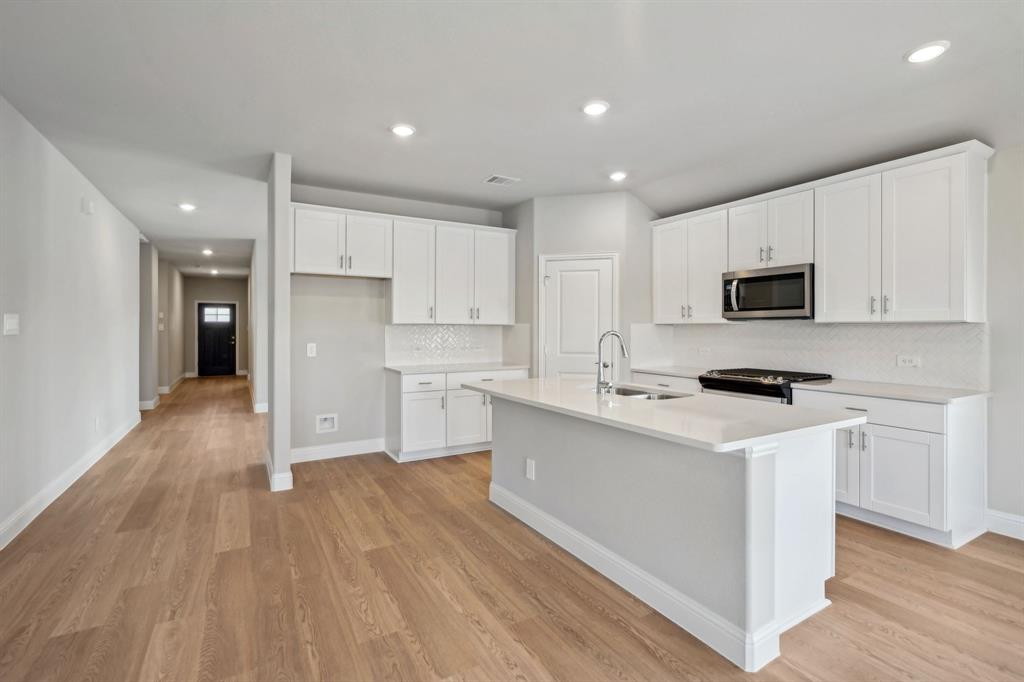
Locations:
(735, 286)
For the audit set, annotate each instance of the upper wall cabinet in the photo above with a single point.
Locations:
(689, 257)
(772, 233)
(329, 242)
(905, 245)
(901, 241)
(453, 274)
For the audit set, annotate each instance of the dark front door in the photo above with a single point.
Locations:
(216, 339)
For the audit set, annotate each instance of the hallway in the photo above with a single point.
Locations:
(171, 560)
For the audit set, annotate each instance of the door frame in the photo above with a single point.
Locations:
(542, 262)
(195, 339)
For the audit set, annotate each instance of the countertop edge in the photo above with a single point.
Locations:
(452, 368)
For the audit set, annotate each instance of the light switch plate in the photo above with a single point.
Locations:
(12, 324)
(531, 469)
(908, 360)
(310, 350)
(160, 327)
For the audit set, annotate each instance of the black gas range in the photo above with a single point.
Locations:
(761, 384)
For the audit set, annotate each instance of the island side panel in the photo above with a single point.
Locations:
(673, 511)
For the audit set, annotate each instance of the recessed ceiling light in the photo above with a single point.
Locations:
(207, 252)
(927, 52)
(214, 272)
(187, 208)
(617, 176)
(403, 129)
(595, 107)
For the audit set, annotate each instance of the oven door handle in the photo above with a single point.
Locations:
(735, 304)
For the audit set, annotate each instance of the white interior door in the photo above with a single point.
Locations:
(923, 224)
(668, 272)
(412, 283)
(748, 232)
(454, 275)
(707, 256)
(848, 251)
(791, 229)
(578, 307)
(319, 242)
(466, 414)
(368, 243)
(494, 276)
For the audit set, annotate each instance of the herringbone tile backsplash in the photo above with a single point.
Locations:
(420, 344)
(951, 354)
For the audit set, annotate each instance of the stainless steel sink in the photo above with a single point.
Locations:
(640, 394)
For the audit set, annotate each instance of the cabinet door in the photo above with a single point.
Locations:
(454, 275)
(847, 251)
(319, 242)
(668, 272)
(748, 234)
(466, 417)
(368, 243)
(902, 474)
(848, 444)
(791, 229)
(707, 254)
(923, 225)
(412, 283)
(494, 277)
(423, 420)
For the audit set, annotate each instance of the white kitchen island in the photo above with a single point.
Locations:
(715, 511)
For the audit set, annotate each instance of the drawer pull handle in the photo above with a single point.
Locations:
(857, 409)
(426, 383)
(487, 380)
(663, 385)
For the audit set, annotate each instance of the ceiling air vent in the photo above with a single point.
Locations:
(501, 180)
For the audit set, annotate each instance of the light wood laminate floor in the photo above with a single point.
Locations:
(170, 560)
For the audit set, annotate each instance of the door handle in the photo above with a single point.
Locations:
(471, 312)
(682, 311)
(350, 262)
(483, 399)
(863, 440)
(442, 402)
(689, 311)
(849, 443)
(341, 262)
(430, 313)
(770, 249)
(478, 313)
(885, 304)
(761, 257)
(735, 286)
(874, 301)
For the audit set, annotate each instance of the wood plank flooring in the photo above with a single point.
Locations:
(170, 560)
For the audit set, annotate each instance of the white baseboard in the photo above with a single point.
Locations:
(164, 390)
(278, 482)
(191, 375)
(242, 372)
(332, 450)
(748, 651)
(943, 538)
(150, 404)
(260, 407)
(420, 455)
(19, 520)
(1003, 523)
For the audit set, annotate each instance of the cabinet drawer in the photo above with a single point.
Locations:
(903, 414)
(456, 379)
(413, 383)
(684, 384)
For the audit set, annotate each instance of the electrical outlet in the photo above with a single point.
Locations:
(531, 469)
(310, 350)
(908, 360)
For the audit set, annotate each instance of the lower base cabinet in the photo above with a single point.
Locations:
(423, 420)
(466, 417)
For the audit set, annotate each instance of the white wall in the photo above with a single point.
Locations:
(171, 341)
(258, 325)
(149, 294)
(70, 380)
(1006, 322)
(325, 196)
(216, 290)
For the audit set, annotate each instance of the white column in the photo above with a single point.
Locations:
(258, 322)
(279, 322)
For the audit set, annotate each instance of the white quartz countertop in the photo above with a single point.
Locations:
(711, 422)
(873, 389)
(453, 367)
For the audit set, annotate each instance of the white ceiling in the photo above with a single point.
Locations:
(163, 102)
(230, 257)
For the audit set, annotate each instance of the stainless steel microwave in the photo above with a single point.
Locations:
(769, 293)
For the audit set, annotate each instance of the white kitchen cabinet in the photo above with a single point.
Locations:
(494, 276)
(848, 448)
(790, 233)
(412, 298)
(454, 273)
(319, 242)
(688, 259)
(327, 242)
(668, 272)
(368, 246)
(847, 251)
(672, 383)
(923, 241)
(423, 420)
(748, 235)
(466, 415)
(902, 474)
